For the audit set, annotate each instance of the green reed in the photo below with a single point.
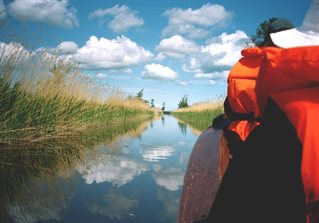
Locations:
(199, 119)
(42, 98)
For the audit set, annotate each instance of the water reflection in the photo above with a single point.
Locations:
(116, 206)
(100, 176)
(196, 130)
(156, 153)
(116, 169)
(163, 119)
(33, 203)
(37, 178)
(171, 178)
(182, 127)
(171, 205)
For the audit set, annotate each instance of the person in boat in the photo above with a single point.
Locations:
(273, 107)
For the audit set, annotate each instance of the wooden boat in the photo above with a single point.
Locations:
(206, 165)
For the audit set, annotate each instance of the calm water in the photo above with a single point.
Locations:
(137, 177)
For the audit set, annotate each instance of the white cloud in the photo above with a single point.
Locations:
(211, 82)
(207, 15)
(217, 57)
(215, 75)
(123, 18)
(13, 53)
(226, 49)
(193, 65)
(160, 56)
(101, 75)
(194, 22)
(67, 47)
(188, 30)
(3, 13)
(19, 59)
(119, 53)
(108, 54)
(158, 71)
(54, 12)
(183, 83)
(54, 55)
(177, 46)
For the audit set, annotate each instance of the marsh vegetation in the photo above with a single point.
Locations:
(200, 115)
(45, 98)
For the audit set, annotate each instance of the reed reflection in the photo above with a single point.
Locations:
(163, 120)
(182, 127)
(196, 130)
(37, 179)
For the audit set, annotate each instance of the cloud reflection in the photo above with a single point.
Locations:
(118, 207)
(115, 169)
(157, 153)
(170, 178)
(170, 202)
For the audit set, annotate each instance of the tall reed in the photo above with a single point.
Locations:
(43, 97)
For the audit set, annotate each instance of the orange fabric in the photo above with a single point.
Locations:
(291, 77)
(243, 128)
(300, 63)
(242, 80)
(241, 90)
(302, 108)
(286, 69)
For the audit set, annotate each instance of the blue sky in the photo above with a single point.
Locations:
(169, 48)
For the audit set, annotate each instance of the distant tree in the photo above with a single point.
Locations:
(140, 94)
(260, 38)
(163, 106)
(152, 103)
(183, 102)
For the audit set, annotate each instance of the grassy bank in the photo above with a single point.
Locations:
(44, 98)
(200, 115)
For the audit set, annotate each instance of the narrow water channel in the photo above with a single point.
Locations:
(137, 177)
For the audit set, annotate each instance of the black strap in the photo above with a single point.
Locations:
(234, 116)
(220, 122)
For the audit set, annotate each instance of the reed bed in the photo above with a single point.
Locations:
(200, 115)
(43, 97)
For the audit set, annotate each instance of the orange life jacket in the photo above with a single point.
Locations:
(241, 93)
(302, 109)
(291, 78)
(285, 69)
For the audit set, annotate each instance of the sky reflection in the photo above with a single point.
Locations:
(136, 179)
